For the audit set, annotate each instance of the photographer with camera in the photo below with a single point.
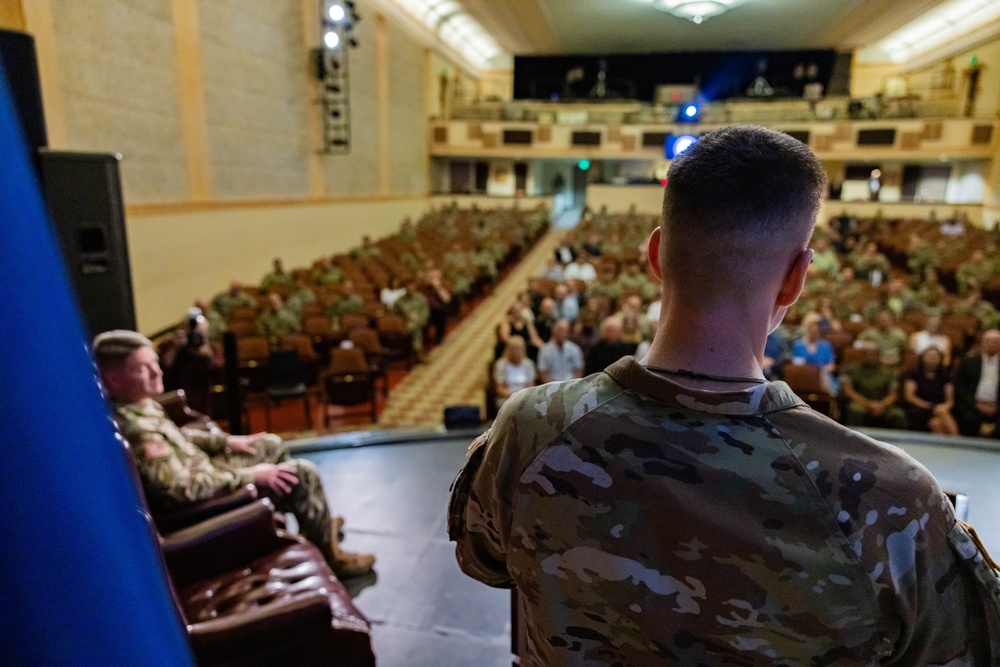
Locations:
(190, 360)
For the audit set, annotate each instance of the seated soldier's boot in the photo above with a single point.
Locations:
(350, 564)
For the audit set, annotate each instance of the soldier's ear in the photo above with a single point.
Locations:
(795, 279)
(653, 253)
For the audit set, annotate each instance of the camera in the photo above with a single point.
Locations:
(195, 338)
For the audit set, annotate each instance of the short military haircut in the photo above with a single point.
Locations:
(735, 193)
(114, 347)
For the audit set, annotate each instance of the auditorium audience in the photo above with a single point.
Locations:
(348, 303)
(439, 301)
(872, 390)
(887, 337)
(276, 321)
(190, 359)
(560, 358)
(413, 308)
(391, 292)
(515, 324)
(977, 388)
(546, 318)
(609, 348)
(931, 336)
(813, 350)
(234, 297)
(929, 394)
(278, 276)
(513, 371)
(580, 269)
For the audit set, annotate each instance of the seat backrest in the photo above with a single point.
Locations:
(367, 339)
(302, 345)
(350, 322)
(391, 323)
(243, 313)
(317, 325)
(283, 367)
(348, 360)
(803, 378)
(252, 348)
(242, 327)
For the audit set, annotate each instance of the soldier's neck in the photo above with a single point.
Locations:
(720, 343)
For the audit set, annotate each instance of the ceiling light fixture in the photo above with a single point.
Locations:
(697, 11)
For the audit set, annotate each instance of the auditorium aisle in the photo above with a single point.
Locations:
(455, 372)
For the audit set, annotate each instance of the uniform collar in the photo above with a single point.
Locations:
(147, 407)
(760, 399)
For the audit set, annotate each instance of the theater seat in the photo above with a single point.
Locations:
(251, 594)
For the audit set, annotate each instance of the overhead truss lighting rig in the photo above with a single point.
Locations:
(337, 21)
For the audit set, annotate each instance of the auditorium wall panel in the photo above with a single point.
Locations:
(180, 253)
(255, 73)
(407, 122)
(117, 73)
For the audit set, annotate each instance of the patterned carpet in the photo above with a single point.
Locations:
(455, 372)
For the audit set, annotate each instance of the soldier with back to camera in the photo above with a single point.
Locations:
(685, 511)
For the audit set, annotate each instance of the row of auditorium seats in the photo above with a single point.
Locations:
(446, 241)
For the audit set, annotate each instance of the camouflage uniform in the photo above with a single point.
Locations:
(216, 324)
(649, 524)
(346, 304)
(324, 275)
(275, 278)
(224, 302)
(298, 299)
(183, 466)
(413, 307)
(277, 323)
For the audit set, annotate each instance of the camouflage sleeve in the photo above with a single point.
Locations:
(945, 595)
(210, 443)
(480, 508)
(167, 479)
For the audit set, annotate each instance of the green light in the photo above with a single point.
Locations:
(584, 165)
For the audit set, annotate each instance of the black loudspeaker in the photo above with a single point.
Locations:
(84, 197)
(19, 65)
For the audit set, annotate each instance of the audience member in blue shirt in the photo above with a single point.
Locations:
(811, 349)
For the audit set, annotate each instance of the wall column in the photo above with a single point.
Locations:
(38, 22)
(313, 109)
(191, 97)
(382, 102)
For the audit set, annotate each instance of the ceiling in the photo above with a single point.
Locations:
(535, 27)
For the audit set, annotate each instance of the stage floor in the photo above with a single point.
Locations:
(424, 611)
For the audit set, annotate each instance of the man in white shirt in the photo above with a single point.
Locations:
(977, 387)
(560, 359)
(580, 269)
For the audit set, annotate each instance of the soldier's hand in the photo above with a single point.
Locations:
(279, 479)
(243, 443)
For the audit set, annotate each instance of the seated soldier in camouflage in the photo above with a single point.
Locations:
(872, 390)
(686, 511)
(182, 466)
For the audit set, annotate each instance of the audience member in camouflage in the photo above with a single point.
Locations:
(651, 515)
(297, 299)
(413, 307)
(348, 303)
(277, 277)
(325, 272)
(276, 320)
(183, 466)
(235, 296)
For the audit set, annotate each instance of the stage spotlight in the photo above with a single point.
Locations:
(688, 113)
(331, 39)
(677, 145)
(336, 13)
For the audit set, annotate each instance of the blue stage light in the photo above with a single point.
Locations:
(691, 110)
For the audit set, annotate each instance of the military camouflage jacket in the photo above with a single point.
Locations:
(174, 463)
(649, 524)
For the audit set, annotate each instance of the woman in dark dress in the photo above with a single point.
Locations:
(929, 394)
(516, 324)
